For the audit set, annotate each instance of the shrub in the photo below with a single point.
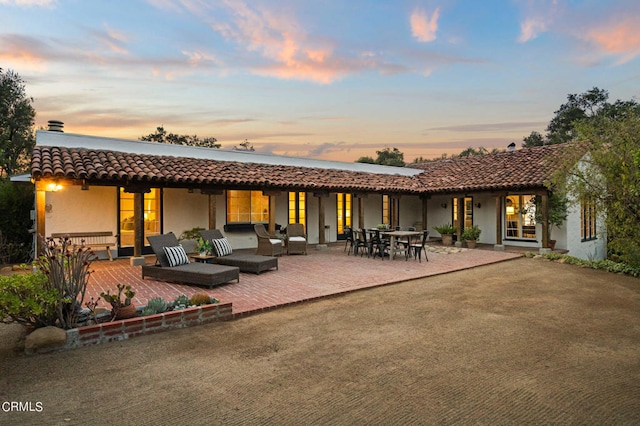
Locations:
(66, 266)
(200, 299)
(471, 233)
(25, 299)
(157, 305)
(447, 229)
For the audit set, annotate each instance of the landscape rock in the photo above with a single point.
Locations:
(45, 339)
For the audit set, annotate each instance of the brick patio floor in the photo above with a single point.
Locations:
(300, 278)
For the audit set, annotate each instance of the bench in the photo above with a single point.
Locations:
(91, 239)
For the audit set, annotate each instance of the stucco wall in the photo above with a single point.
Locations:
(75, 210)
(183, 211)
(593, 249)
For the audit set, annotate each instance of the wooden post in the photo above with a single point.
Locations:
(212, 211)
(499, 220)
(138, 218)
(460, 218)
(272, 214)
(545, 219)
(424, 213)
(395, 211)
(321, 232)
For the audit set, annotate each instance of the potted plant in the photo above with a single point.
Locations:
(189, 239)
(204, 247)
(120, 309)
(471, 234)
(447, 232)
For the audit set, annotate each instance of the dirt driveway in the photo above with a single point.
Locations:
(520, 342)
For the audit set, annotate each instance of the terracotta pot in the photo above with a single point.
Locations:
(552, 244)
(126, 312)
(447, 239)
(471, 244)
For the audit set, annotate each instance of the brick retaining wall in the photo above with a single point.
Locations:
(132, 327)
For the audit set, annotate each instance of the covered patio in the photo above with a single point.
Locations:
(320, 274)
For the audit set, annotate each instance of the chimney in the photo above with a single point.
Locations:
(55, 126)
(511, 147)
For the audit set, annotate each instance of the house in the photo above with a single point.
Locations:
(135, 189)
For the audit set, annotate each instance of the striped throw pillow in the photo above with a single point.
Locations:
(222, 246)
(176, 255)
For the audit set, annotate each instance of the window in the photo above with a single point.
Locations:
(247, 207)
(587, 219)
(520, 214)
(386, 210)
(297, 208)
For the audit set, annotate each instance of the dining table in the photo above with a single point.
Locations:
(393, 235)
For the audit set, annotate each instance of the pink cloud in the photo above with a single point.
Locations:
(622, 39)
(424, 29)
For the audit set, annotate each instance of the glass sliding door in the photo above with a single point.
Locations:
(343, 204)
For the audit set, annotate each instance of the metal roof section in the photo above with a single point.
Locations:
(71, 140)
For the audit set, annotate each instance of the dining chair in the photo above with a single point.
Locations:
(420, 246)
(348, 232)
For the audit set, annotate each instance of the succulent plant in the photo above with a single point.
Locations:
(157, 305)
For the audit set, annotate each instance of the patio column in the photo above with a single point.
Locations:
(499, 220)
(321, 223)
(395, 210)
(545, 219)
(460, 218)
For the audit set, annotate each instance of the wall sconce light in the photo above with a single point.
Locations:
(478, 205)
(190, 190)
(53, 187)
(84, 186)
(48, 208)
(443, 205)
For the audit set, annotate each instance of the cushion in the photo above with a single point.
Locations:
(300, 239)
(221, 246)
(176, 255)
(275, 241)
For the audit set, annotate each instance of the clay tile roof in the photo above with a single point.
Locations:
(523, 168)
(119, 168)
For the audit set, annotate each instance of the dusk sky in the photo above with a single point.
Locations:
(332, 79)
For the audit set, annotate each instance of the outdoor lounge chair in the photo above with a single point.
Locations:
(268, 245)
(205, 274)
(246, 262)
(296, 239)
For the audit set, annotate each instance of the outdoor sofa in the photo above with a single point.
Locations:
(204, 274)
(224, 255)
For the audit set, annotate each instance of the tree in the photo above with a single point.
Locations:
(17, 118)
(589, 104)
(245, 146)
(366, 159)
(389, 157)
(609, 176)
(386, 157)
(534, 139)
(161, 136)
